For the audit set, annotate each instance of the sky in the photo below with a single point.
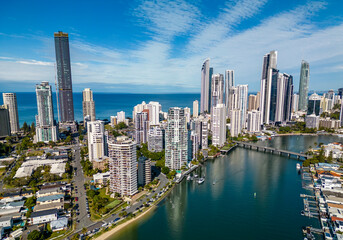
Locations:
(145, 46)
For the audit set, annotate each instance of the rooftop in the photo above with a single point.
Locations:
(50, 198)
(44, 213)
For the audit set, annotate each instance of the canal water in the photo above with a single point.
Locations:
(224, 206)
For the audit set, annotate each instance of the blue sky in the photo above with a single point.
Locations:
(159, 46)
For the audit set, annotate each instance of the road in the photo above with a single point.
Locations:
(79, 191)
(163, 183)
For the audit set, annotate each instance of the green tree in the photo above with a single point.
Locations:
(30, 202)
(25, 127)
(35, 235)
(165, 170)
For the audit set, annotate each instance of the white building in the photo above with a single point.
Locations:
(218, 125)
(217, 89)
(196, 108)
(176, 140)
(205, 101)
(10, 102)
(187, 114)
(45, 124)
(120, 117)
(123, 166)
(141, 127)
(101, 178)
(229, 83)
(254, 121)
(43, 216)
(154, 112)
(156, 138)
(312, 121)
(295, 103)
(144, 171)
(236, 127)
(88, 105)
(233, 100)
(96, 140)
(242, 103)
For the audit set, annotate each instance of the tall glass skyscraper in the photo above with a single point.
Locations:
(65, 90)
(303, 86)
(10, 102)
(206, 76)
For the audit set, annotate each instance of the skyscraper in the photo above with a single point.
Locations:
(5, 126)
(269, 63)
(156, 138)
(252, 102)
(123, 166)
(314, 104)
(45, 123)
(340, 92)
(295, 102)
(88, 105)
(254, 121)
(97, 141)
(229, 83)
(218, 125)
(176, 140)
(10, 102)
(242, 103)
(65, 89)
(233, 100)
(217, 95)
(195, 108)
(236, 127)
(141, 127)
(303, 86)
(205, 102)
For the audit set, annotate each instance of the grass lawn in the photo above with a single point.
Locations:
(113, 204)
(57, 234)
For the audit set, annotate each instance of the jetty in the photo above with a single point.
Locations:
(290, 154)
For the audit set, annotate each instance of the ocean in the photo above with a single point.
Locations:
(106, 104)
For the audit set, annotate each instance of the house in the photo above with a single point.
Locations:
(101, 178)
(43, 216)
(6, 222)
(41, 207)
(50, 199)
(11, 207)
(17, 233)
(48, 192)
(59, 224)
(330, 182)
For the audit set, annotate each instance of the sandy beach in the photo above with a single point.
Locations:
(107, 235)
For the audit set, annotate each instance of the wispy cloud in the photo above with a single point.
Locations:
(151, 66)
(166, 19)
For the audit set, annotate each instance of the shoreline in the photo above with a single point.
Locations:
(110, 233)
(115, 230)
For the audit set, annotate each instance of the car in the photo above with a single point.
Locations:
(116, 219)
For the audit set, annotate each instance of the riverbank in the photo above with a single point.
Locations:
(110, 233)
(116, 229)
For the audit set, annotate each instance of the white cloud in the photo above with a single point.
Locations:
(151, 63)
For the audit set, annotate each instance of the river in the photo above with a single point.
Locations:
(228, 208)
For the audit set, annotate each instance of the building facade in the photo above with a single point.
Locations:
(97, 143)
(123, 166)
(65, 88)
(206, 75)
(156, 138)
(144, 171)
(217, 90)
(10, 101)
(314, 104)
(196, 108)
(219, 125)
(303, 86)
(236, 127)
(176, 139)
(254, 121)
(88, 105)
(5, 129)
(141, 127)
(45, 123)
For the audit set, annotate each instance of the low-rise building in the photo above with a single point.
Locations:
(57, 205)
(43, 216)
(49, 191)
(6, 222)
(50, 199)
(59, 224)
(101, 178)
(11, 207)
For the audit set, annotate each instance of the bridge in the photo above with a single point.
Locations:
(300, 156)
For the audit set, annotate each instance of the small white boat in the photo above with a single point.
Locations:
(298, 166)
(201, 180)
(189, 178)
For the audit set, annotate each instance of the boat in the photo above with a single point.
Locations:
(195, 176)
(188, 177)
(298, 166)
(302, 213)
(201, 180)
